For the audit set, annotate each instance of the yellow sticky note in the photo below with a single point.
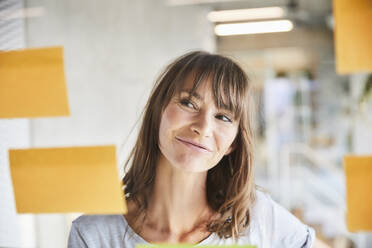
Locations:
(32, 83)
(73, 179)
(189, 246)
(358, 170)
(353, 35)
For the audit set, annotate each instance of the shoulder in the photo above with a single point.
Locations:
(98, 222)
(270, 220)
(96, 229)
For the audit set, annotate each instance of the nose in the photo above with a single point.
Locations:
(203, 125)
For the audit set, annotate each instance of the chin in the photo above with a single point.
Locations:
(191, 166)
(191, 169)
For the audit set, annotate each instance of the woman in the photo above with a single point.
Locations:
(190, 178)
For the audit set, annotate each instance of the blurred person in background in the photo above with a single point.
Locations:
(279, 94)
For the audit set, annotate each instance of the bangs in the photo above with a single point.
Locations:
(228, 81)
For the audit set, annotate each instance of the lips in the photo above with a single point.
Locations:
(194, 144)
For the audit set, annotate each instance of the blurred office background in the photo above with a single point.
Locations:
(307, 116)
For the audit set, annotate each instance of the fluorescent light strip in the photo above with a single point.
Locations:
(253, 27)
(195, 2)
(246, 14)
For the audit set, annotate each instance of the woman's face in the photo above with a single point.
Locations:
(194, 134)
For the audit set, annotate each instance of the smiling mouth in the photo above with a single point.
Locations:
(193, 145)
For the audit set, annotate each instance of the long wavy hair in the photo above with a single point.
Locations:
(230, 184)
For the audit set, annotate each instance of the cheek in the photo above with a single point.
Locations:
(171, 115)
(172, 119)
(226, 137)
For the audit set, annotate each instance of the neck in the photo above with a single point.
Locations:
(179, 201)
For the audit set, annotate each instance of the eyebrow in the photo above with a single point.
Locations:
(194, 94)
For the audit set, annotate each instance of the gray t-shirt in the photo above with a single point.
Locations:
(271, 226)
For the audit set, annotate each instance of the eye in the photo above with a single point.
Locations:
(224, 118)
(188, 103)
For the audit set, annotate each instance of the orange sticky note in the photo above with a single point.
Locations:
(353, 35)
(73, 179)
(358, 171)
(32, 83)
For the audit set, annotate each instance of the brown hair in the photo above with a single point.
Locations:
(230, 184)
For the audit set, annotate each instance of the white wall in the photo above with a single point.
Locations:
(113, 51)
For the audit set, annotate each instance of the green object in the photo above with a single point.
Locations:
(189, 246)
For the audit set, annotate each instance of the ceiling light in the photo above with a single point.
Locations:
(253, 27)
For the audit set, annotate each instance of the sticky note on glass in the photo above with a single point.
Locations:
(60, 180)
(358, 170)
(353, 35)
(189, 246)
(32, 83)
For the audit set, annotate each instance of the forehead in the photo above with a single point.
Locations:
(199, 91)
(202, 89)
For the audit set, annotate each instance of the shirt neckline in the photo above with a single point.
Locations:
(136, 236)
